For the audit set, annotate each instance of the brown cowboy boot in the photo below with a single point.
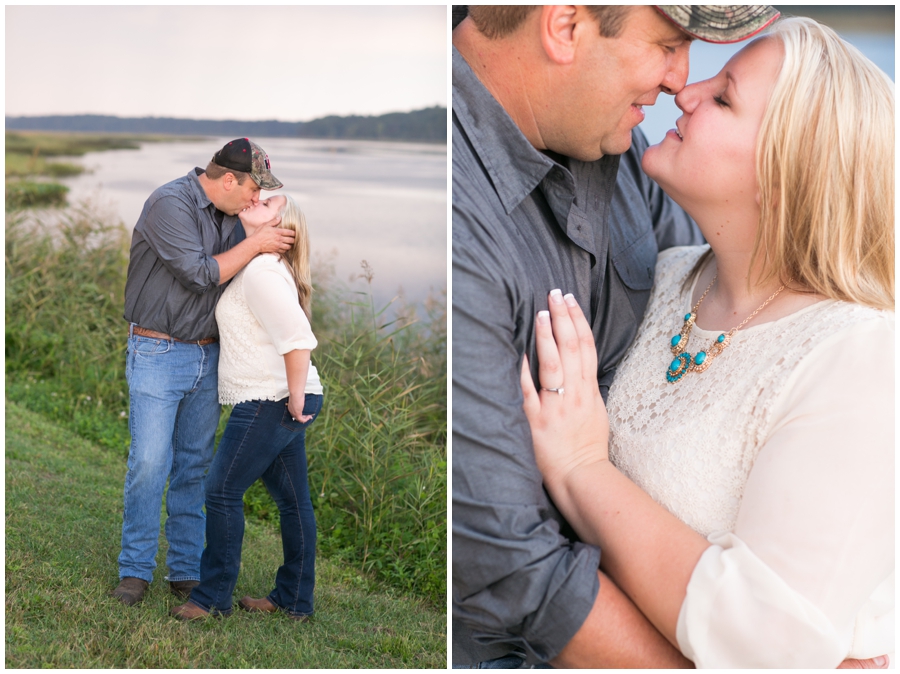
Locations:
(265, 605)
(182, 588)
(189, 611)
(130, 591)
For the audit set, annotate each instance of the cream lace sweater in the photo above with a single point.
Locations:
(782, 455)
(260, 320)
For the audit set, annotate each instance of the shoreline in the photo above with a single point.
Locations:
(878, 19)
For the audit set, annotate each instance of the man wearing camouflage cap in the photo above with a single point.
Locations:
(187, 244)
(548, 193)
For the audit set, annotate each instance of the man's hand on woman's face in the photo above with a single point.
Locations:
(270, 238)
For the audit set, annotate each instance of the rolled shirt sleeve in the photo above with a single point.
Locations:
(517, 580)
(272, 298)
(171, 231)
(806, 579)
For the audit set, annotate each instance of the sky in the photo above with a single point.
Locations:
(290, 63)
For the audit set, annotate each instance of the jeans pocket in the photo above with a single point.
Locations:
(311, 405)
(146, 347)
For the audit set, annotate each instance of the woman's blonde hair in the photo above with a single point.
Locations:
(825, 169)
(297, 258)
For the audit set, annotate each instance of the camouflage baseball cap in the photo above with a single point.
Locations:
(242, 154)
(720, 23)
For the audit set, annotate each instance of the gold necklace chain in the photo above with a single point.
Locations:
(683, 362)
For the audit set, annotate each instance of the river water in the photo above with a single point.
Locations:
(385, 203)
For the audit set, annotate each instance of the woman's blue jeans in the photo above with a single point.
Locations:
(260, 441)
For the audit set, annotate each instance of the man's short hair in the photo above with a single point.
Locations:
(496, 21)
(214, 172)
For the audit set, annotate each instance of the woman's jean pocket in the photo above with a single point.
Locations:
(312, 405)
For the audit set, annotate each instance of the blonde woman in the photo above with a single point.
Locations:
(741, 488)
(265, 372)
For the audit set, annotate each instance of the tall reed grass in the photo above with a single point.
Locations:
(377, 453)
(381, 474)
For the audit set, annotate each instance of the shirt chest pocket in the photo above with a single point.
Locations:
(635, 268)
(635, 264)
(632, 241)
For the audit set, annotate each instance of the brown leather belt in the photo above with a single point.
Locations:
(144, 332)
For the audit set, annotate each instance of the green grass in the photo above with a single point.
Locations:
(24, 165)
(378, 473)
(63, 524)
(377, 458)
(28, 194)
(52, 144)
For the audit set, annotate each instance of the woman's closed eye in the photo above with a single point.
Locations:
(720, 101)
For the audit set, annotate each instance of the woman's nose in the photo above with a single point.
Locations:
(687, 98)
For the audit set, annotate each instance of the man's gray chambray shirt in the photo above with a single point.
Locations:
(524, 223)
(173, 280)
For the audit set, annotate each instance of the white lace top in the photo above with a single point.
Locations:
(260, 320)
(782, 455)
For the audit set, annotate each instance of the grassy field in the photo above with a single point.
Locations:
(63, 523)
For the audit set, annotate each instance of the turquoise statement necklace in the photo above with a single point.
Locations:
(684, 362)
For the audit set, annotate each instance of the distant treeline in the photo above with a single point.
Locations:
(846, 18)
(428, 125)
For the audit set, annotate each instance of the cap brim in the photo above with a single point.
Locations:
(711, 25)
(268, 182)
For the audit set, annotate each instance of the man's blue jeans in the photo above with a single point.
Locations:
(174, 412)
(261, 440)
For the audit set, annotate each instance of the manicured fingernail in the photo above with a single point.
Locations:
(556, 296)
(881, 661)
(570, 300)
(543, 317)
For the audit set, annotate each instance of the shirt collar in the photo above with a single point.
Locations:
(199, 193)
(229, 221)
(515, 167)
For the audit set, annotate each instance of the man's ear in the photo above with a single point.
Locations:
(229, 181)
(557, 25)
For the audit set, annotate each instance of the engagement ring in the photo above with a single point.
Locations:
(559, 390)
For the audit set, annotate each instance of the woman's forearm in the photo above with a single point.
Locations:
(647, 551)
(296, 363)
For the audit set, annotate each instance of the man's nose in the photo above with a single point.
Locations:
(677, 75)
